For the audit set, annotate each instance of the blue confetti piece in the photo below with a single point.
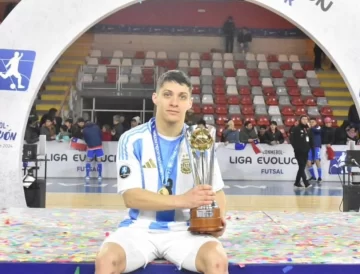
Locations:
(287, 269)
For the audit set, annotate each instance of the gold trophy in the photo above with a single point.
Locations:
(201, 140)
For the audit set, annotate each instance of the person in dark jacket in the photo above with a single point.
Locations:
(48, 130)
(32, 131)
(229, 32)
(93, 139)
(273, 136)
(248, 133)
(328, 133)
(353, 116)
(119, 128)
(301, 141)
(315, 152)
(341, 133)
(261, 134)
(77, 129)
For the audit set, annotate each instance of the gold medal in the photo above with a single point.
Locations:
(163, 191)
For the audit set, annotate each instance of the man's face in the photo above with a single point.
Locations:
(249, 126)
(122, 119)
(273, 127)
(133, 123)
(68, 124)
(48, 123)
(304, 120)
(313, 123)
(262, 131)
(328, 124)
(172, 102)
(81, 124)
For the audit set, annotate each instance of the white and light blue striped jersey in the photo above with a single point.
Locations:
(137, 168)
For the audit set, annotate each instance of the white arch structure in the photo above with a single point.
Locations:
(49, 27)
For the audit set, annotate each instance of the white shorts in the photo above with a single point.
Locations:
(143, 246)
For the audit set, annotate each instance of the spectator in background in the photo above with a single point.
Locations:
(341, 133)
(296, 123)
(69, 124)
(57, 121)
(229, 33)
(352, 134)
(328, 133)
(353, 116)
(64, 135)
(261, 134)
(135, 122)
(48, 129)
(231, 134)
(32, 131)
(315, 151)
(118, 128)
(244, 38)
(201, 124)
(273, 136)
(222, 138)
(78, 128)
(318, 57)
(106, 133)
(248, 133)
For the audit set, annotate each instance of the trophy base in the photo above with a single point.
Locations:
(205, 224)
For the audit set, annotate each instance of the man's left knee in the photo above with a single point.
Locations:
(212, 258)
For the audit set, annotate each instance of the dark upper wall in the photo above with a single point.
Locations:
(185, 13)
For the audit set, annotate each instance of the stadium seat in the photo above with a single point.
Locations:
(272, 58)
(240, 65)
(247, 110)
(230, 81)
(296, 66)
(218, 72)
(196, 89)
(196, 72)
(206, 80)
(206, 56)
(196, 108)
(126, 62)
(217, 64)
(306, 91)
(313, 112)
(310, 101)
(87, 78)
(206, 89)
(228, 57)
(95, 53)
(255, 82)
(285, 66)
(216, 56)
(274, 65)
(311, 74)
(300, 74)
(288, 74)
(314, 82)
(251, 65)
(229, 65)
(259, 100)
(283, 58)
(183, 64)
(290, 82)
(287, 111)
(253, 73)
(334, 122)
(243, 81)
(219, 81)
(269, 91)
(308, 66)
(194, 64)
(150, 55)
(161, 55)
(318, 92)
(266, 82)
(265, 73)
(303, 83)
(136, 70)
(256, 91)
(93, 61)
(250, 56)
(244, 91)
(209, 119)
(300, 110)
(251, 119)
(208, 109)
(234, 100)
(195, 56)
(99, 79)
(276, 73)
(104, 61)
(233, 109)
(277, 119)
(196, 99)
(319, 121)
(139, 55)
(274, 111)
(124, 79)
(237, 120)
(289, 121)
(261, 58)
(263, 121)
(102, 70)
(272, 101)
(195, 80)
(218, 89)
(294, 92)
(279, 82)
(281, 91)
(221, 120)
(245, 100)
(263, 65)
(326, 111)
(149, 63)
(220, 100)
(296, 101)
(118, 54)
(294, 58)
(230, 72)
(221, 110)
(284, 100)
(231, 90)
(239, 56)
(321, 101)
(183, 56)
(207, 99)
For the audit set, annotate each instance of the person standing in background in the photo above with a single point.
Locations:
(119, 128)
(301, 141)
(315, 151)
(318, 57)
(229, 32)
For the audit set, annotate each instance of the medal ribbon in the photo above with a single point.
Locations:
(164, 174)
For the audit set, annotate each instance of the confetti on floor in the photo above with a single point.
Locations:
(74, 235)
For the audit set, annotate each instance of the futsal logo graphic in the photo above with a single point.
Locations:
(124, 172)
(15, 69)
(337, 164)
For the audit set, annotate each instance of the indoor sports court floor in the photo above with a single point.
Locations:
(241, 195)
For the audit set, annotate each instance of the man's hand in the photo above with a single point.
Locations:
(198, 196)
(250, 140)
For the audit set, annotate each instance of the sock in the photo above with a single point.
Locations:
(311, 170)
(99, 169)
(319, 172)
(88, 169)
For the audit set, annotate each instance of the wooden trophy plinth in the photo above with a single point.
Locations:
(205, 224)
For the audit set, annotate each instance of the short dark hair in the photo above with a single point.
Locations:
(201, 122)
(247, 123)
(313, 119)
(176, 76)
(273, 123)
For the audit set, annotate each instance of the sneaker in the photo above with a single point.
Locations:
(312, 179)
(319, 180)
(99, 178)
(298, 185)
(307, 185)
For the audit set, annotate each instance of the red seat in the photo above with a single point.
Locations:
(334, 122)
(219, 89)
(244, 91)
(272, 101)
(255, 82)
(111, 78)
(289, 121)
(319, 121)
(148, 71)
(237, 120)
(147, 80)
(240, 65)
(285, 66)
(234, 100)
(161, 63)
(269, 91)
(300, 110)
(104, 61)
(140, 55)
(251, 119)
(219, 81)
(287, 111)
(206, 56)
(195, 72)
(220, 100)
(208, 110)
(294, 92)
(310, 101)
(276, 73)
(230, 73)
(326, 111)
(253, 73)
(196, 109)
(221, 120)
(171, 64)
(308, 66)
(290, 82)
(272, 58)
(246, 100)
(247, 110)
(111, 71)
(220, 131)
(296, 101)
(300, 74)
(196, 89)
(263, 121)
(318, 92)
(221, 110)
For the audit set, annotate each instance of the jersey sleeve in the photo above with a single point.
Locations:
(128, 165)
(218, 183)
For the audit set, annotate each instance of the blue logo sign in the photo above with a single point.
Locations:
(337, 164)
(15, 69)
(6, 133)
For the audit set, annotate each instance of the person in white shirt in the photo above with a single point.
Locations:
(158, 188)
